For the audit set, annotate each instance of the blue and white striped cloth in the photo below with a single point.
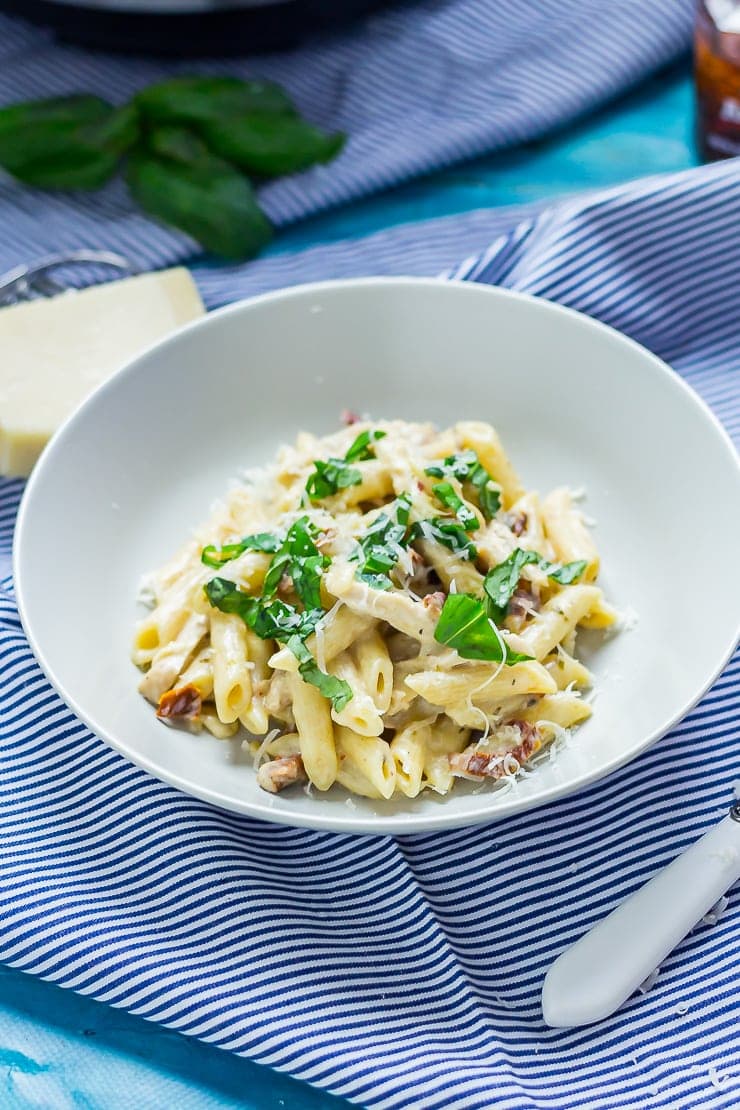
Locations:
(405, 973)
(416, 89)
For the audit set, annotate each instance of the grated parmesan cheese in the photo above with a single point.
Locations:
(146, 594)
(628, 620)
(260, 752)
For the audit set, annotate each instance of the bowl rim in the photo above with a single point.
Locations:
(348, 823)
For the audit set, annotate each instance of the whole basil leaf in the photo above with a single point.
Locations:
(71, 142)
(270, 145)
(62, 111)
(465, 626)
(179, 144)
(116, 133)
(191, 100)
(208, 199)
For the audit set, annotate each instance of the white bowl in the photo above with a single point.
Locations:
(119, 487)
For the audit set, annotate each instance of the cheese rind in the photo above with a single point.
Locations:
(53, 353)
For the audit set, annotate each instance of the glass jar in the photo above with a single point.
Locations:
(717, 62)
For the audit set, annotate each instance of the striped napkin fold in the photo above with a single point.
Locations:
(406, 972)
(416, 88)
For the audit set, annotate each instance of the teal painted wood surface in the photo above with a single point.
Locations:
(60, 1051)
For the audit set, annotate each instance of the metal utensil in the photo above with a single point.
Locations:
(26, 283)
(593, 977)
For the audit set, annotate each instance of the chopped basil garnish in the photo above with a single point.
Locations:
(382, 545)
(336, 689)
(271, 620)
(501, 582)
(276, 620)
(375, 581)
(564, 573)
(446, 532)
(403, 506)
(226, 596)
(361, 449)
(465, 626)
(214, 556)
(301, 560)
(279, 565)
(306, 576)
(444, 492)
(331, 475)
(466, 467)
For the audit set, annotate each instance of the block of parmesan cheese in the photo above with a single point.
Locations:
(53, 353)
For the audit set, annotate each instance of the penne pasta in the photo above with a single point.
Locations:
(199, 673)
(558, 617)
(566, 670)
(216, 726)
(399, 610)
(376, 669)
(171, 659)
(480, 683)
(409, 749)
(334, 635)
(232, 677)
(360, 714)
(484, 440)
(316, 733)
(447, 738)
(368, 758)
(563, 709)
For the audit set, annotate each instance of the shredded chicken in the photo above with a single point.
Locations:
(279, 773)
(524, 603)
(517, 522)
(184, 702)
(434, 602)
(277, 699)
(325, 538)
(494, 764)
